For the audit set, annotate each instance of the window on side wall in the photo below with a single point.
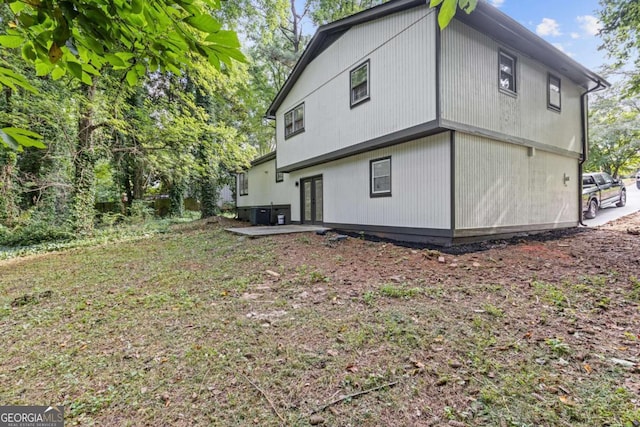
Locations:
(360, 84)
(294, 121)
(380, 174)
(553, 95)
(279, 175)
(243, 184)
(507, 72)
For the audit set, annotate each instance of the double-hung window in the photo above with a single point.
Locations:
(294, 121)
(243, 184)
(507, 72)
(553, 94)
(359, 86)
(380, 173)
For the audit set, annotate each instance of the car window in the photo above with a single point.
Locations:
(588, 180)
(599, 179)
(607, 178)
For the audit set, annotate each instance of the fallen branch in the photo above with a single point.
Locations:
(265, 396)
(350, 396)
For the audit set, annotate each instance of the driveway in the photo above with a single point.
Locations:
(611, 213)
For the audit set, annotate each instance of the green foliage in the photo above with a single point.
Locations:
(34, 228)
(77, 38)
(393, 291)
(140, 211)
(614, 145)
(620, 33)
(448, 9)
(80, 40)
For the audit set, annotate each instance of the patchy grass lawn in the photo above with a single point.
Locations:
(201, 327)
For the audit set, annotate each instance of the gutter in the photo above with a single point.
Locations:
(585, 133)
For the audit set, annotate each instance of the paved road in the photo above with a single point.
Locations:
(609, 214)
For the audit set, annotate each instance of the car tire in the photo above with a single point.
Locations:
(623, 199)
(592, 211)
(638, 183)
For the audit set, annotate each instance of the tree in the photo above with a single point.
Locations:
(621, 37)
(615, 132)
(80, 38)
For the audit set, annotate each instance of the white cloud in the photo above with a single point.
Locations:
(575, 36)
(589, 24)
(548, 27)
(497, 3)
(562, 49)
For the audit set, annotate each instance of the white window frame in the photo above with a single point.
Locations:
(372, 178)
(352, 93)
(296, 122)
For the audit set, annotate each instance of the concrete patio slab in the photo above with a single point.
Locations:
(269, 230)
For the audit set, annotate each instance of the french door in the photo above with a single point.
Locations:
(311, 197)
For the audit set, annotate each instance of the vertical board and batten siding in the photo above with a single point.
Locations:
(500, 185)
(401, 50)
(470, 93)
(263, 188)
(420, 187)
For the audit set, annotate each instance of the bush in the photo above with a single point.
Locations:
(140, 211)
(33, 233)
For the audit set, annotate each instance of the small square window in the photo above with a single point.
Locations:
(507, 72)
(243, 184)
(553, 96)
(380, 172)
(294, 121)
(359, 84)
(279, 176)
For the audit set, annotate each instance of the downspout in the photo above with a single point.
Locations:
(585, 133)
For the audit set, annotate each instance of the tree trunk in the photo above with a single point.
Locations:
(176, 197)
(8, 203)
(84, 165)
(208, 197)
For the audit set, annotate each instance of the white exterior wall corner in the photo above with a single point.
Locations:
(420, 180)
(401, 50)
(470, 95)
(263, 188)
(501, 185)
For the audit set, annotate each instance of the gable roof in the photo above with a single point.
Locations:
(485, 18)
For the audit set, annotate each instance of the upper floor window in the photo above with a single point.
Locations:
(380, 172)
(294, 121)
(243, 184)
(553, 97)
(360, 83)
(507, 72)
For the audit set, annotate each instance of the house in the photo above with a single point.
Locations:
(391, 127)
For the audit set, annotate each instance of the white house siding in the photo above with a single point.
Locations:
(401, 49)
(498, 184)
(263, 188)
(420, 181)
(470, 93)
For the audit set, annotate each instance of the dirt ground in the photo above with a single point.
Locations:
(202, 327)
(551, 256)
(577, 287)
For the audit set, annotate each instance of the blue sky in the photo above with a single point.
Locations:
(570, 25)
